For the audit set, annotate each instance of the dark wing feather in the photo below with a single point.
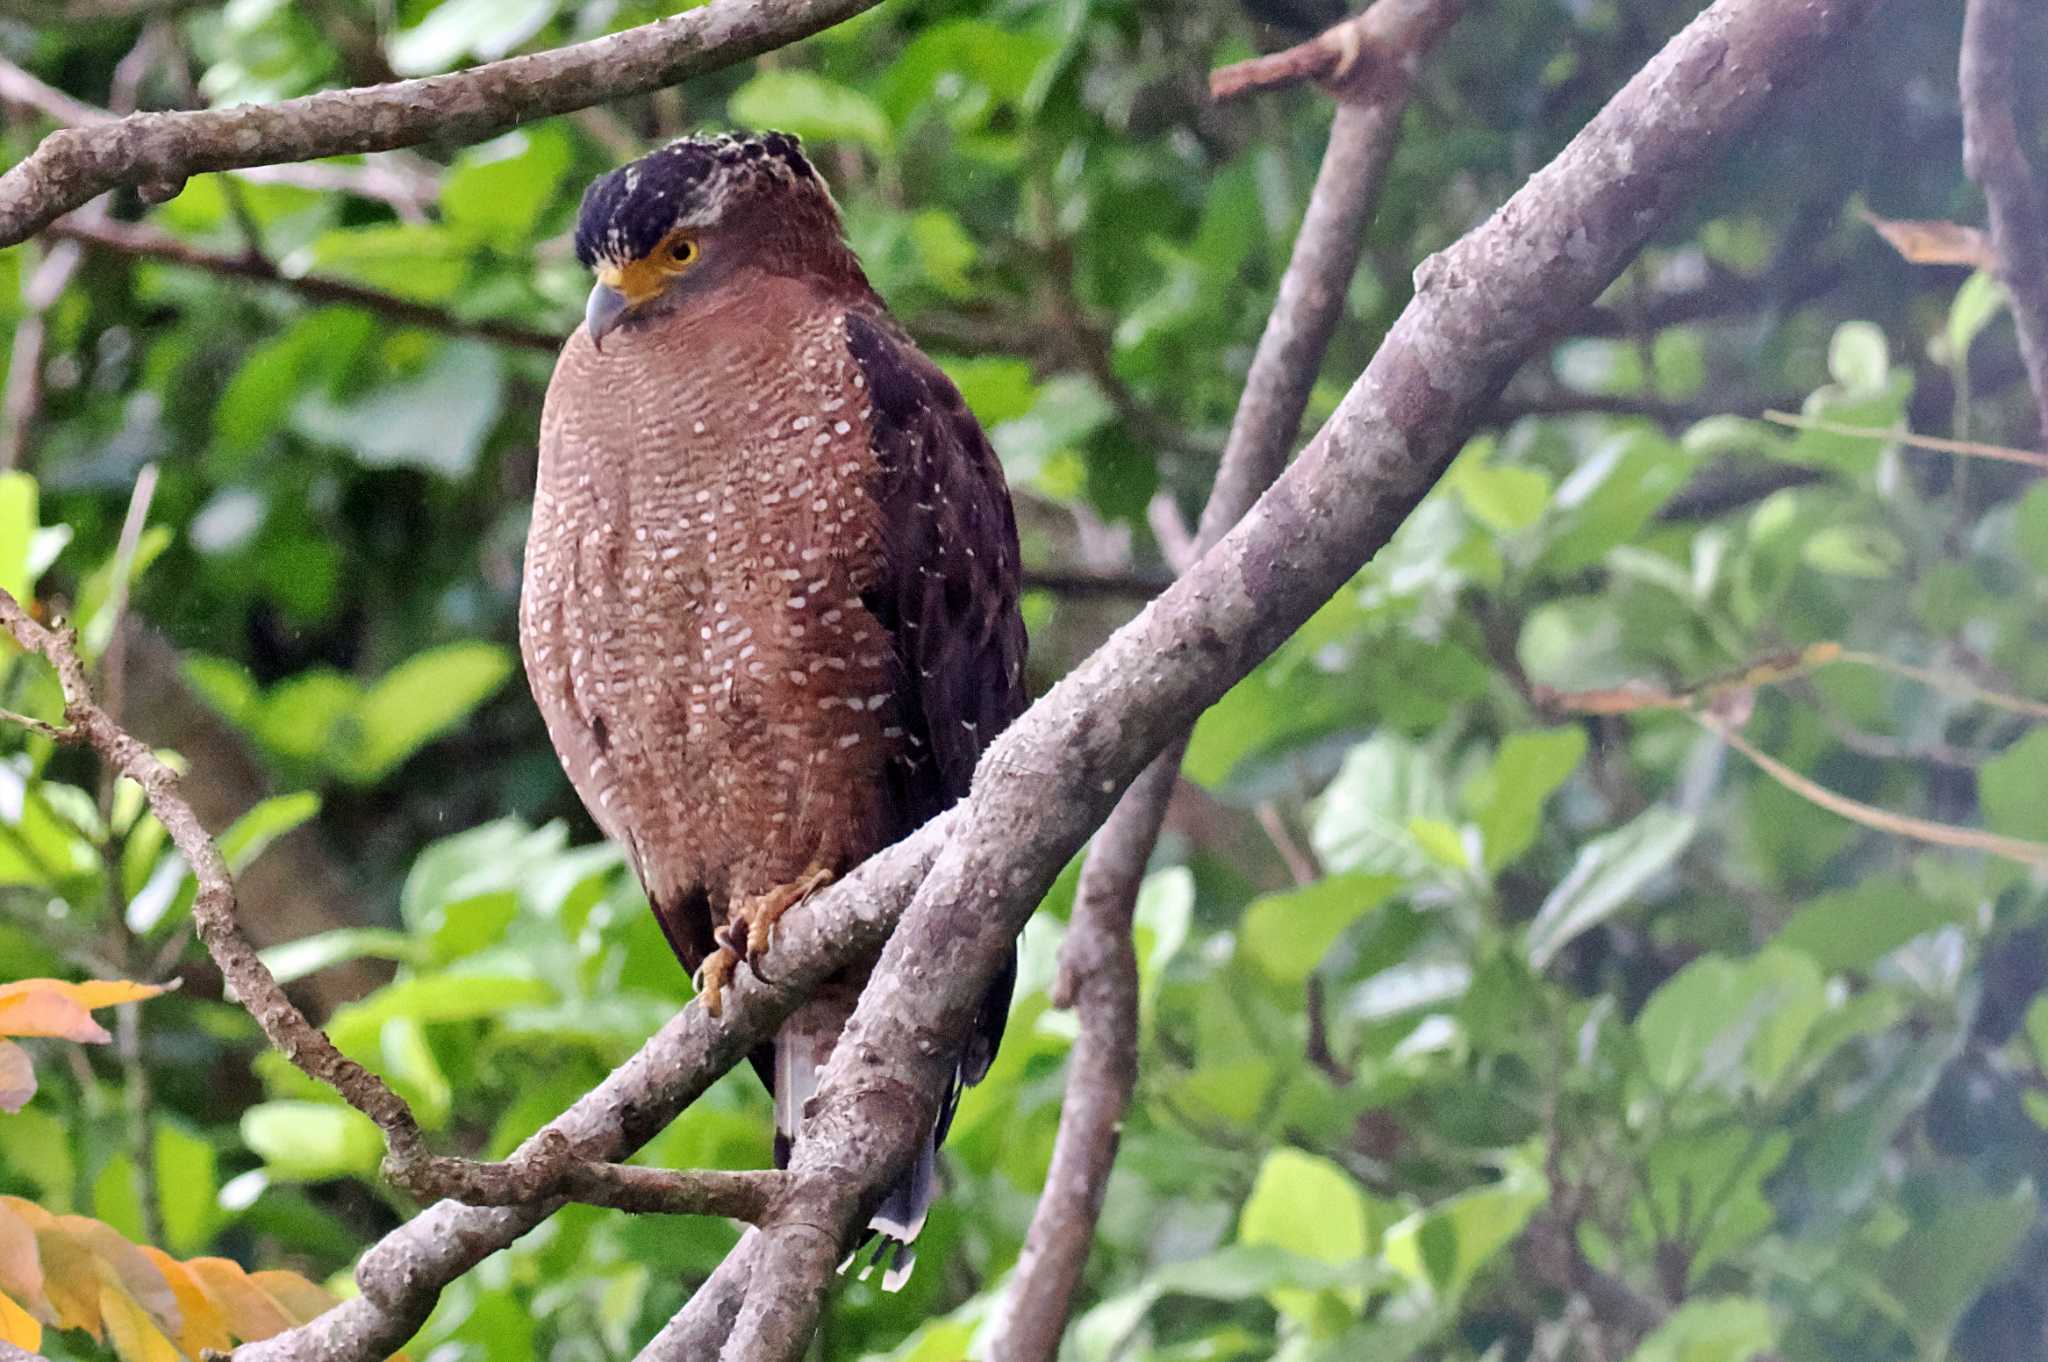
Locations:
(947, 595)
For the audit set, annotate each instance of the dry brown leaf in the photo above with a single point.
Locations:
(250, 1312)
(17, 1077)
(18, 1326)
(204, 1329)
(1936, 242)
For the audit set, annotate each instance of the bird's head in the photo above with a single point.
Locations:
(676, 223)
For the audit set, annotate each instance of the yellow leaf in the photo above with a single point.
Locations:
(71, 1280)
(106, 992)
(53, 1007)
(133, 1333)
(21, 1269)
(204, 1329)
(249, 1311)
(300, 1299)
(18, 1326)
(125, 1265)
(49, 1014)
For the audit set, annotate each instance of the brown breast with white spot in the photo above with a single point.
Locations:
(704, 528)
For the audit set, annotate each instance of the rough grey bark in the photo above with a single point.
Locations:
(1994, 152)
(158, 151)
(1379, 51)
(1481, 308)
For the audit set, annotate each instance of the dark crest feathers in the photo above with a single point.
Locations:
(626, 213)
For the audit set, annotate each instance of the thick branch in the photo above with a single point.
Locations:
(134, 239)
(158, 151)
(1098, 969)
(1480, 309)
(1994, 153)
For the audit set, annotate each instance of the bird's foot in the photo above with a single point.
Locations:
(712, 977)
(759, 914)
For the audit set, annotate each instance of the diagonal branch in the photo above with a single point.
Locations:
(1994, 152)
(1480, 309)
(158, 151)
(1098, 968)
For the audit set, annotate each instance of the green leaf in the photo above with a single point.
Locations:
(1287, 935)
(1607, 875)
(1711, 1329)
(441, 997)
(1509, 799)
(457, 29)
(812, 107)
(1610, 497)
(499, 189)
(436, 420)
(187, 1186)
(1852, 929)
(1309, 1207)
(422, 697)
(2030, 527)
(944, 251)
(1726, 1024)
(1362, 824)
(310, 1140)
(18, 525)
(272, 818)
(1858, 357)
(1869, 551)
(1966, 1244)
(2009, 787)
(1442, 1247)
(311, 954)
(1504, 498)
(415, 261)
(1980, 299)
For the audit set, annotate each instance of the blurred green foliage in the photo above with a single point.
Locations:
(1459, 1016)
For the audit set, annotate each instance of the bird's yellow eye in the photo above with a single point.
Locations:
(682, 250)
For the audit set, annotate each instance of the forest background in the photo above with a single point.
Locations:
(1612, 927)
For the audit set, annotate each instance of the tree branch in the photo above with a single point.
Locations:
(1995, 155)
(158, 151)
(971, 877)
(135, 239)
(1098, 968)
(1480, 309)
(409, 189)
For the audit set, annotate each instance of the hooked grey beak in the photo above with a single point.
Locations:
(604, 311)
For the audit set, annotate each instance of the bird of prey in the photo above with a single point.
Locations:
(770, 601)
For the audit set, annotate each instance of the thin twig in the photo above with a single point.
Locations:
(1968, 449)
(135, 239)
(1994, 153)
(1870, 816)
(213, 908)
